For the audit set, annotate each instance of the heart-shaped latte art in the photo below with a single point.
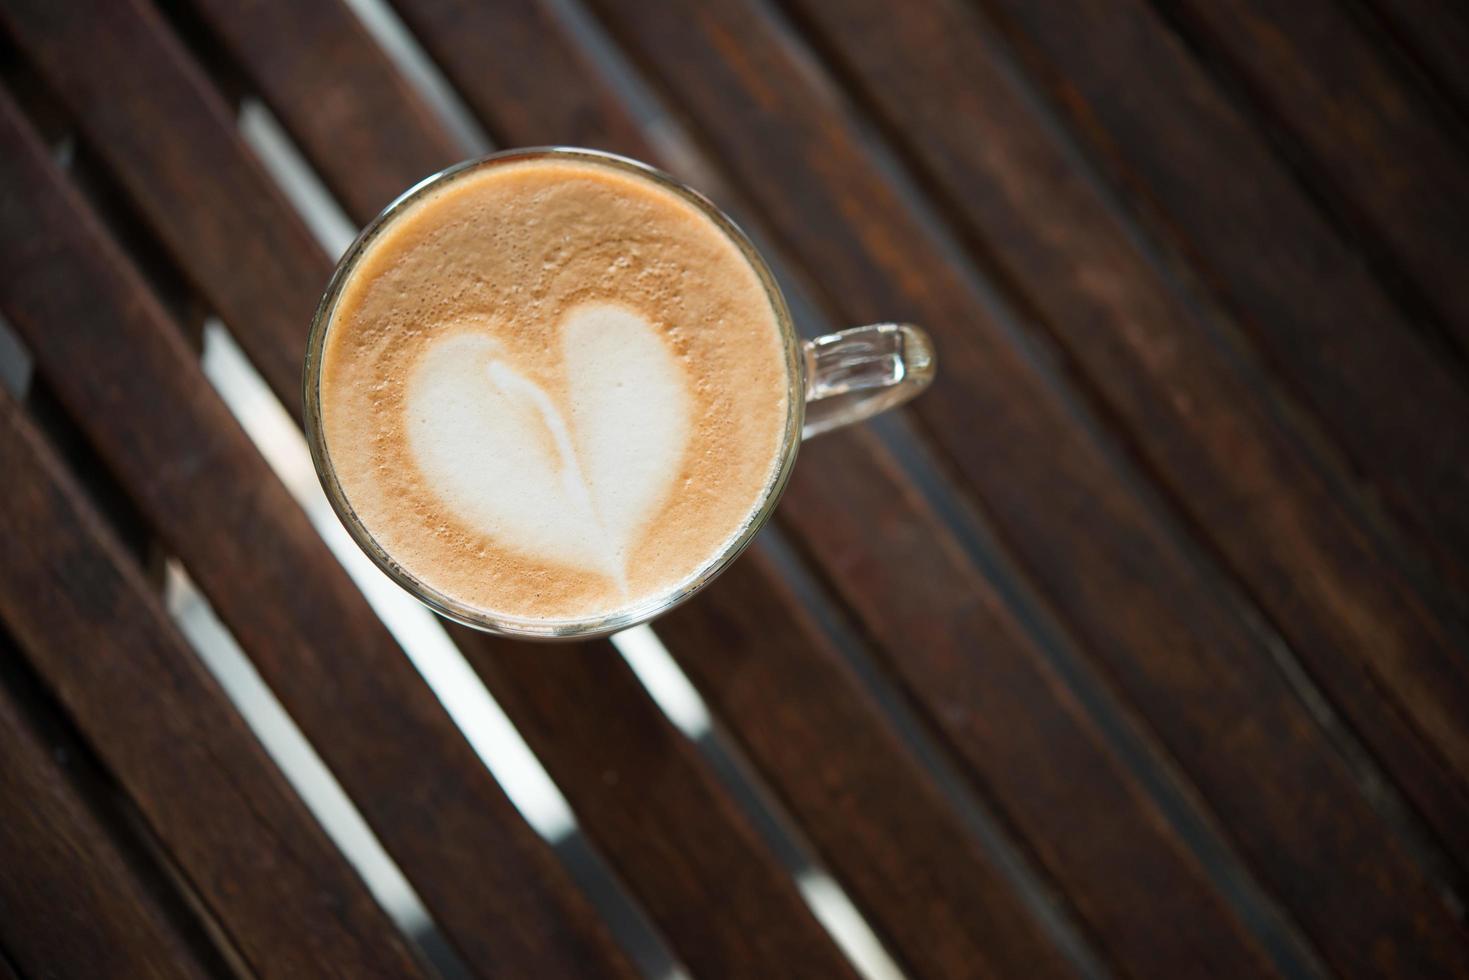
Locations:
(572, 483)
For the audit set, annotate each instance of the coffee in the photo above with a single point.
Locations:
(554, 389)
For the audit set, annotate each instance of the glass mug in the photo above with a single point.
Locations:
(834, 380)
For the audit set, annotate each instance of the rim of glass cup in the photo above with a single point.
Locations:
(540, 629)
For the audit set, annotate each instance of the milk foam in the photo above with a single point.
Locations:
(571, 483)
(551, 390)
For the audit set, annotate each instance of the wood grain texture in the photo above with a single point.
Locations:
(125, 374)
(976, 675)
(1367, 132)
(727, 906)
(535, 88)
(1205, 182)
(1210, 431)
(337, 94)
(70, 904)
(847, 781)
(72, 447)
(1150, 608)
(95, 631)
(170, 141)
(585, 715)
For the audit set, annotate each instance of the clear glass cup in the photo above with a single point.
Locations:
(835, 380)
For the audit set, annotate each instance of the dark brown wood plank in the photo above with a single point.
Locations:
(1435, 36)
(537, 89)
(170, 141)
(1205, 182)
(112, 503)
(337, 94)
(640, 791)
(663, 822)
(1369, 134)
(70, 904)
(976, 675)
(1149, 606)
(127, 377)
(741, 640)
(1208, 430)
(95, 631)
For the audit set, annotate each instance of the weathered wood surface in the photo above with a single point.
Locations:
(335, 91)
(1389, 164)
(665, 823)
(124, 372)
(751, 642)
(1206, 183)
(98, 635)
(72, 903)
(170, 140)
(1215, 435)
(1198, 445)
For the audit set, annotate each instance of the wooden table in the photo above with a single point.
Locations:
(1136, 647)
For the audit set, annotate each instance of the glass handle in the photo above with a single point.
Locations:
(854, 374)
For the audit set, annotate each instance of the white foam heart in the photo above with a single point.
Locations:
(573, 483)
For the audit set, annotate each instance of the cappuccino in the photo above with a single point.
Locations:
(553, 389)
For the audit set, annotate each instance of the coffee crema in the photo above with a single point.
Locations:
(553, 390)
